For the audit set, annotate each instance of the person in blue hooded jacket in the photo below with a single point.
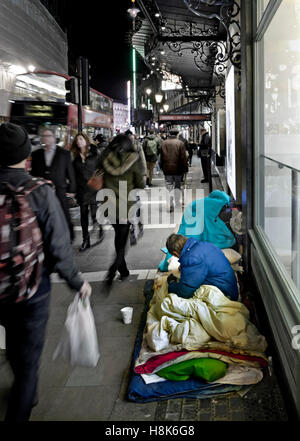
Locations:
(201, 220)
(201, 263)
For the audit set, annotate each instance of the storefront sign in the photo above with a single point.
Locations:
(97, 119)
(184, 117)
(39, 110)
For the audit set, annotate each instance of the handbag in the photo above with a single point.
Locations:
(96, 180)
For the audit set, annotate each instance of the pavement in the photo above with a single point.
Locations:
(99, 394)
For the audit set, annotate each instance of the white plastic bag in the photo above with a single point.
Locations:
(79, 343)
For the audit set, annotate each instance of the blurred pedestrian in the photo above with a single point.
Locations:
(151, 147)
(85, 163)
(122, 175)
(55, 164)
(190, 148)
(100, 142)
(25, 321)
(138, 148)
(173, 164)
(205, 152)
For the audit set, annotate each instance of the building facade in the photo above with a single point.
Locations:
(30, 39)
(121, 117)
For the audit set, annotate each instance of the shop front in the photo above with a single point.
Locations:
(275, 234)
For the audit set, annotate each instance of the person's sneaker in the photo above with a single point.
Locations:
(203, 181)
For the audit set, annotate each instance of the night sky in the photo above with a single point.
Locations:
(97, 30)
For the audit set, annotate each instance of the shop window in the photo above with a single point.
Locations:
(278, 135)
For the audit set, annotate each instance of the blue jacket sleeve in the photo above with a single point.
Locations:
(192, 277)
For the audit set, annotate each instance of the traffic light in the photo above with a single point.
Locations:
(71, 89)
(85, 72)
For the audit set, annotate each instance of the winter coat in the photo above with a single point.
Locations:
(83, 171)
(122, 168)
(201, 221)
(202, 263)
(142, 159)
(60, 172)
(173, 158)
(55, 232)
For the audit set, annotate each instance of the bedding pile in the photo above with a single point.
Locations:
(199, 347)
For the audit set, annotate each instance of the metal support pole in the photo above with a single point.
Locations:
(79, 107)
(209, 170)
(295, 267)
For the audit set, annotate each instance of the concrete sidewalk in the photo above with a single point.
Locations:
(99, 394)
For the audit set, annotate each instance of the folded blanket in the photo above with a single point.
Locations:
(206, 368)
(158, 362)
(208, 315)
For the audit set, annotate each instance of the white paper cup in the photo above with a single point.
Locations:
(127, 314)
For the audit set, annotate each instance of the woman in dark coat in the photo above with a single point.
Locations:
(85, 163)
(120, 163)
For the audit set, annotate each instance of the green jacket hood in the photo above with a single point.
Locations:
(117, 165)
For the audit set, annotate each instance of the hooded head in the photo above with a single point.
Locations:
(15, 144)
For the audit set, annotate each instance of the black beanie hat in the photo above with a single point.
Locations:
(14, 144)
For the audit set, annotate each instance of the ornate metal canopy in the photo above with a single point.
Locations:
(194, 39)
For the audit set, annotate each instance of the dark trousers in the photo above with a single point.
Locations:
(121, 237)
(61, 195)
(84, 218)
(205, 162)
(25, 327)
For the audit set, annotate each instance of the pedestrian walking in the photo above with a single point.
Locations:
(205, 153)
(84, 164)
(138, 148)
(122, 175)
(191, 147)
(151, 147)
(54, 163)
(174, 165)
(24, 314)
(100, 142)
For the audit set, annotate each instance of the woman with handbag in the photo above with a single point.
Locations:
(85, 164)
(121, 170)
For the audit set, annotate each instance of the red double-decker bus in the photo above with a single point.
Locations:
(38, 101)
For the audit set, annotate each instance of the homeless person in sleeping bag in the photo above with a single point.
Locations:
(201, 263)
(202, 220)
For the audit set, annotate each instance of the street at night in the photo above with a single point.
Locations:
(149, 215)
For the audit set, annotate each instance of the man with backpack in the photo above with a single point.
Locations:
(34, 241)
(151, 147)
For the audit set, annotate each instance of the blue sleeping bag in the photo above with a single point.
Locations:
(200, 220)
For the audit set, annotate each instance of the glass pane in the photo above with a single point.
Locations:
(278, 210)
(261, 6)
(279, 100)
(282, 85)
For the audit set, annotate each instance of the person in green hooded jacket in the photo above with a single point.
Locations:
(122, 174)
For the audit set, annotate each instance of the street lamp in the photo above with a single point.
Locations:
(166, 107)
(158, 97)
(148, 91)
(133, 11)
